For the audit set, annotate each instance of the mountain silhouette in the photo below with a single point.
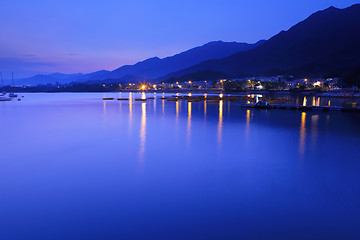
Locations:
(156, 67)
(151, 68)
(55, 78)
(327, 40)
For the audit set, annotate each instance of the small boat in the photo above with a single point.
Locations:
(262, 103)
(213, 101)
(106, 99)
(5, 99)
(122, 99)
(2, 85)
(235, 99)
(141, 99)
(173, 100)
(12, 94)
(350, 104)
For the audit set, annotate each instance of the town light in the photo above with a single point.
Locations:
(317, 84)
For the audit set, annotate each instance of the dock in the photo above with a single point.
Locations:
(302, 108)
(251, 103)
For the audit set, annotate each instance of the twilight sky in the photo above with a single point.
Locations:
(70, 36)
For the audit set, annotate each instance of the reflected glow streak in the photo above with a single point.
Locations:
(189, 124)
(177, 110)
(130, 111)
(220, 124)
(205, 108)
(142, 134)
(163, 106)
(304, 102)
(302, 134)
(104, 107)
(247, 128)
(314, 128)
(130, 104)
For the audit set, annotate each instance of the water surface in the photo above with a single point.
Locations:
(76, 167)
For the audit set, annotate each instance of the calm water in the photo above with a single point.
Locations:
(75, 167)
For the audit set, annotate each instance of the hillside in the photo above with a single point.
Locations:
(325, 41)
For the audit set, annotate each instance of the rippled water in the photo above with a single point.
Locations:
(76, 167)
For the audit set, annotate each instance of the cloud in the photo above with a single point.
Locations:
(23, 67)
(19, 63)
(30, 55)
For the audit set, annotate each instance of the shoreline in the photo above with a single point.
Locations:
(350, 94)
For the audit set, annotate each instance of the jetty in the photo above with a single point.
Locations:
(249, 102)
(301, 108)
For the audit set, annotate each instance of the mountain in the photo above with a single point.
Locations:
(58, 78)
(150, 68)
(325, 41)
(156, 67)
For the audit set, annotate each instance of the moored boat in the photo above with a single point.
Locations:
(5, 99)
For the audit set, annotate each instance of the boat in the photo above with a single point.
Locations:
(262, 103)
(213, 101)
(107, 99)
(5, 99)
(12, 94)
(140, 99)
(193, 100)
(2, 85)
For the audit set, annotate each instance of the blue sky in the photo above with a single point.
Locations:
(41, 36)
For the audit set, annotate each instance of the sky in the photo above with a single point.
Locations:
(72, 36)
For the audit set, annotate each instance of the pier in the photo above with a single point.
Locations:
(251, 103)
(302, 108)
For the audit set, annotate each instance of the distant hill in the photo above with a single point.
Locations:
(156, 67)
(328, 40)
(58, 78)
(151, 68)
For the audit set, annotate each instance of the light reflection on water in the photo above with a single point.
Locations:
(142, 135)
(302, 134)
(189, 124)
(304, 102)
(247, 127)
(185, 166)
(220, 124)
